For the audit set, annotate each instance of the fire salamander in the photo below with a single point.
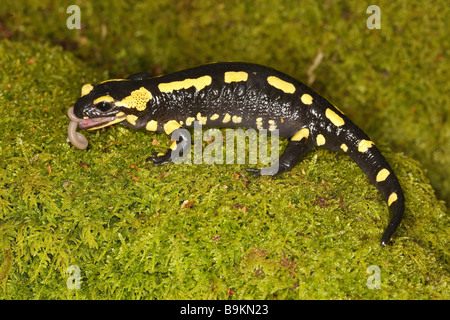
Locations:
(238, 95)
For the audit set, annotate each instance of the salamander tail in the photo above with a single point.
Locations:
(372, 162)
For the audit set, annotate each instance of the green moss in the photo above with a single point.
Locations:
(190, 231)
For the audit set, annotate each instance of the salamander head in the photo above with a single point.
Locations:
(100, 105)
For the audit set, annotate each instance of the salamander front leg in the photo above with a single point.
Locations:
(290, 157)
(179, 148)
(160, 158)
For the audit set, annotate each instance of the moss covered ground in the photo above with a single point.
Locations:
(213, 231)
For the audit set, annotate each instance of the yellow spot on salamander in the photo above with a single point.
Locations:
(198, 83)
(104, 99)
(272, 125)
(364, 145)
(344, 147)
(236, 119)
(86, 89)
(215, 116)
(382, 175)
(299, 135)
(334, 118)
(152, 125)
(320, 140)
(227, 118)
(171, 126)
(284, 86)
(189, 120)
(259, 124)
(392, 198)
(201, 119)
(110, 80)
(173, 146)
(306, 99)
(235, 76)
(131, 118)
(137, 99)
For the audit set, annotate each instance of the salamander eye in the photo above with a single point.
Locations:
(104, 106)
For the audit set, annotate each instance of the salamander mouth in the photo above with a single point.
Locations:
(95, 123)
(76, 138)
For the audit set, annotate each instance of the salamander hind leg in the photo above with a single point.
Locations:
(294, 152)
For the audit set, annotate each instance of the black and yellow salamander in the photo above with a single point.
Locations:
(236, 95)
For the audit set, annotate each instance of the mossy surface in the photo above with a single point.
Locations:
(213, 231)
(190, 231)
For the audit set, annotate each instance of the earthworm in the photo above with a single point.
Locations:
(76, 138)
